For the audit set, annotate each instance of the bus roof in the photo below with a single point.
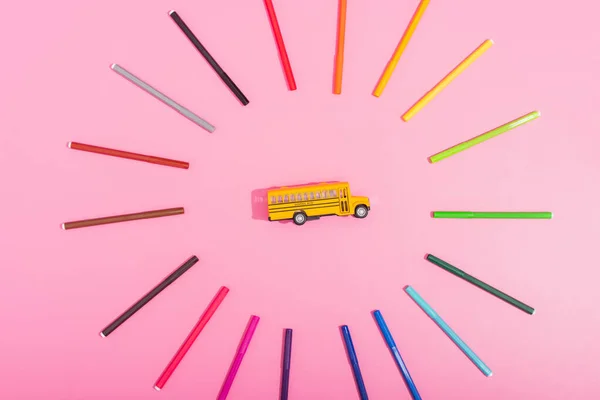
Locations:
(307, 185)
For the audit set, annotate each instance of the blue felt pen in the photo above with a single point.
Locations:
(448, 331)
(360, 384)
(285, 371)
(392, 345)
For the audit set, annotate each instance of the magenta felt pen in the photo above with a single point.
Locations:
(237, 361)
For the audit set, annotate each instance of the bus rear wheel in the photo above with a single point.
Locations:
(299, 218)
(361, 211)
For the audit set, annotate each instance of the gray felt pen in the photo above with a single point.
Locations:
(168, 101)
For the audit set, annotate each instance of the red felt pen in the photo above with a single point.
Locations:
(285, 61)
(208, 313)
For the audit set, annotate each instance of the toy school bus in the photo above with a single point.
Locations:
(309, 202)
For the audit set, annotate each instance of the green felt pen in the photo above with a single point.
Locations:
(500, 215)
(482, 285)
(483, 137)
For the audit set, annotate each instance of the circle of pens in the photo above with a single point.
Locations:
(337, 89)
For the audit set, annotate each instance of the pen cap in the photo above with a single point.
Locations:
(248, 335)
(452, 214)
(384, 329)
(349, 344)
(443, 264)
(287, 351)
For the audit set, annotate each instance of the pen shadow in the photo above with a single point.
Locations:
(259, 203)
(237, 350)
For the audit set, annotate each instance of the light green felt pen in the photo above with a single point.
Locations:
(483, 137)
(501, 215)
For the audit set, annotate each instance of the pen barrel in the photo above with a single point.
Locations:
(513, 215)
(239, 356)
(339, 53)
(285, 371)
(149, 296)
(448, 331)
(285, 383)
(387, 335)
(405, 374)
(210, 59)
(123, 218)
(433, 92)
(360, 383)
(484, 136)
(189, 341)
(162, 97)
(493, 215)
(501, 295)
(129, 155)
(283, 56)
(230, 377)
(480, 284)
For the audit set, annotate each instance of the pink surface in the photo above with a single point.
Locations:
(59, 289)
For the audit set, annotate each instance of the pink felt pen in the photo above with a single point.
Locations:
(239, 356)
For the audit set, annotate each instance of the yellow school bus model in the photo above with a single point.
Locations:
(309, 202)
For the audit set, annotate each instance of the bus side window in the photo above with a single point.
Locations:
(333, 193)
(292, 197)
(280, 199)
(305, 196)
(318, 195)
(272, 199)
(312, 196)
(324, 195)
(286, 199)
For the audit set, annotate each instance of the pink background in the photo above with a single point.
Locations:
(59, 289)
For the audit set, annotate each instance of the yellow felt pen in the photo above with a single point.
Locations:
(447, 79)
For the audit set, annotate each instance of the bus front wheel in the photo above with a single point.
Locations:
(299, 218)
(361, 211)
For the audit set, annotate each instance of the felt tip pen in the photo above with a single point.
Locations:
(285, 372)
(360, 384)
(387, 335)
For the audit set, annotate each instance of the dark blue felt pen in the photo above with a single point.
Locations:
(392, 345)
(360, 384)
(285, 370)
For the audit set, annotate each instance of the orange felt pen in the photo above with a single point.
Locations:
(410, 29)
(339, 51)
